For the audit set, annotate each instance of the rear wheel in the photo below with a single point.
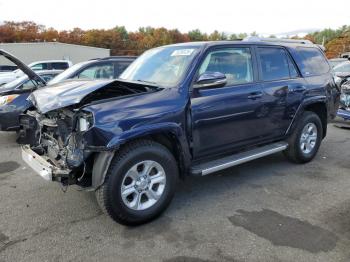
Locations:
(140, 183)
(306, 139)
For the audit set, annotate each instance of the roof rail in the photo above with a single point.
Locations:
(118, 57)
(278, 40)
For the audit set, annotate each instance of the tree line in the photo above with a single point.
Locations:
(122, 42)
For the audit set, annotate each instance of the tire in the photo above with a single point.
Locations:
(131, 162)
(294, 152)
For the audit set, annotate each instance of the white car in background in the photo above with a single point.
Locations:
(36, 66)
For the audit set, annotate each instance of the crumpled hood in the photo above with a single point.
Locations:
(64, 94)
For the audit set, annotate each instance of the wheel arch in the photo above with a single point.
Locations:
(172, 139)
(320, 109)
(318, 105)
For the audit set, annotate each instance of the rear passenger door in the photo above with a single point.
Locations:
(283, 89)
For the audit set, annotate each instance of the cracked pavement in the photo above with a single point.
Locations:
(265, 210)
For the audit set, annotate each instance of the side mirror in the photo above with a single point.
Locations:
(210, 80)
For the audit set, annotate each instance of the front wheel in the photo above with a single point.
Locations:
(306, 139)
(139, 184)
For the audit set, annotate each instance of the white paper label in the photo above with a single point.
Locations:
(182, 52)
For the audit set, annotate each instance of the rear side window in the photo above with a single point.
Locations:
(100, 71)
(59, 65)
(274, 63)
(41, 66)
(312, 61)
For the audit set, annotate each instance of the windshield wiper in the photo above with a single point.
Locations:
(145, 81)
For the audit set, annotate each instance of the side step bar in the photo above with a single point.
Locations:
(239, 158)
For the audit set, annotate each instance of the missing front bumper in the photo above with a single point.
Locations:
(41, 166)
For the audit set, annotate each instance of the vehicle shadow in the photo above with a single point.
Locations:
(203, 192)
(248, 174)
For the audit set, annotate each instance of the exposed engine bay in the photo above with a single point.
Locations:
(58, 135)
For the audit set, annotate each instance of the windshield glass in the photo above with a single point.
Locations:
(164, 66)
(14, 83)
(67, 73)
(342, 68)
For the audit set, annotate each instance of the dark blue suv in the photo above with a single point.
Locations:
(185, 109)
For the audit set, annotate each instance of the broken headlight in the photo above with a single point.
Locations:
(4, 100)
(84, 122)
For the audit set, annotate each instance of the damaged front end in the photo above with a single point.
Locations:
(58, 142)
(57, 139)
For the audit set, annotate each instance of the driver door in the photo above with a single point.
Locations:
(229, 117)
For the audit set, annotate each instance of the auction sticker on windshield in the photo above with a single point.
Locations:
(182, 52)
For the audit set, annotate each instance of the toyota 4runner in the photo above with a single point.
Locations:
(178, 110)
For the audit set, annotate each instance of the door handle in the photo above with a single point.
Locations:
(255, 95)
(297, 89)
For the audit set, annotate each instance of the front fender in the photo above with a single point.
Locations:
(142, 131)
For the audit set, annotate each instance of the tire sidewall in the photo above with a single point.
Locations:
(309, 118)
(118, 172)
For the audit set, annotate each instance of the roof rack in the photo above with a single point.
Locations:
(118, 57)
(278, 40)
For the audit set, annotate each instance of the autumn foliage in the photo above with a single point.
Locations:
(122, 42)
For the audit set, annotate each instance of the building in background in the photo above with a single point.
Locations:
(31, 52)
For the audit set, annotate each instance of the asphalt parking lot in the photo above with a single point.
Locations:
(266, 210)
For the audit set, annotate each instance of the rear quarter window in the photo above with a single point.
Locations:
(312, 61)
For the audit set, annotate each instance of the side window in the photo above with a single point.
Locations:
(274, 63)
(102, 71)
(234, 63)
(313, 61)
(59, 65)
(121, 66)
(40, 66)
(27, 85)
(47, 78)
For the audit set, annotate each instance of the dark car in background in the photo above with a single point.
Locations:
(101, 68)
(13, 98)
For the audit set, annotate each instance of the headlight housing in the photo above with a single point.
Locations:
(4, 100)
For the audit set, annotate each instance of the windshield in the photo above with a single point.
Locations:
(164, 66)
(67, 73)
(342, 68)
(14, 83)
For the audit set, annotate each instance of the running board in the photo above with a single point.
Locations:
(237, 159)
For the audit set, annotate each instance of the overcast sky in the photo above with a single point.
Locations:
(264, 16)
